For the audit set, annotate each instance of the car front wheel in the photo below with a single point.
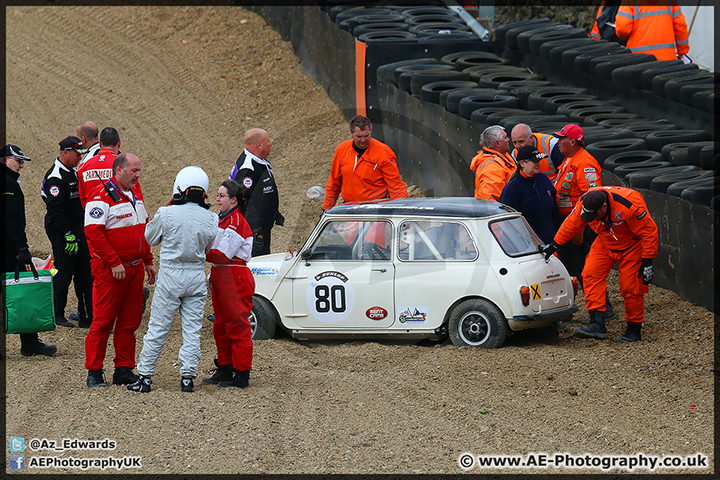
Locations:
(477, 323)
(263, 321)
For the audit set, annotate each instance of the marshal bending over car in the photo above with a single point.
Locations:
(413, 268)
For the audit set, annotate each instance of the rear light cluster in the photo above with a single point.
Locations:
(575, 285)
(525, 295)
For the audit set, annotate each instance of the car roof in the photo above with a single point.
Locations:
(426, 207)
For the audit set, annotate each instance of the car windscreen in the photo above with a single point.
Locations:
(515, 236)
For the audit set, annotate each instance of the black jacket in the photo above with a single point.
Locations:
(62, 197)
(13, 203)
(260, 191)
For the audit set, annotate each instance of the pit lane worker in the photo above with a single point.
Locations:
(186, 230)
(64, 227)
(522, 135)
(120, 257)
(232, 286)
(92, 170)
(626, 235)
(87, 132)
(363, 168)
(253, 171)
(656, 27)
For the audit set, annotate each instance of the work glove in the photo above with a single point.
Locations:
(646, 271)
(279, 219)
(24, 257)
(71, 244)
(685, 59)
(548, 250)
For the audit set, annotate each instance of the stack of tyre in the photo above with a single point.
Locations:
(490, 88)
(423, 24)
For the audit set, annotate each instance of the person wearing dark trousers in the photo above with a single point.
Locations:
(64, 224)
(254, 173)
(16, 245)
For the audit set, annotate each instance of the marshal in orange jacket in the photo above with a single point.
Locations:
(627, 223)
(372, 176)
(575, 177)
(492, 172)
(656, 27)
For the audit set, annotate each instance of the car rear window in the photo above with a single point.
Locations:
(435, 240)
(515, 236)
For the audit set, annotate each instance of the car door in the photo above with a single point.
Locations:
(344, 279)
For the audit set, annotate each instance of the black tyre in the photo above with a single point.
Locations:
(647, 77)
(676, 189)
(358, 20)
(642, 130)
(418, 79)
(474, 102)
(592, 50)
(511, 121)
(704, 101)
(351, 11)
(598, 133)
(386, 73)
(451, 99)
(662, 182)
(596, 118)
(657, 140)
(570, 107)
(446, 16)
(623, 170)
(604, 149)
(667, 150)
(629, 75)
(437, 28)
(477, 323)
(702, 194)
(493, 80)
(479, 70)
(501, 114)
(477, 59)
(553, 50)
(643, 178)
(703, 154)
(489, 116)
(537, 99)
(447, 38)
(512, 34)
(603, 68)
(630, 158)
(659, 81)
(537, 40)
(388, 37)
(501, 31)
(263, 319)
(523, 39)
(379, 27)
(523, 88)
(687, 92)
(404, 74)
(552, 104)
(674, 85)
(451, 58)
(583, 61)
(578, 116)
(541, 126)
(430, 92)
(625, 122)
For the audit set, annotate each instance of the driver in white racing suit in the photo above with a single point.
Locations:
(186, 229)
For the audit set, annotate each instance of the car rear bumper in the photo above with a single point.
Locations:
(522, 322)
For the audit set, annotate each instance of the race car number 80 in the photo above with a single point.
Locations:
(331, 297)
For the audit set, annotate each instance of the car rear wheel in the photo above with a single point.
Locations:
(263, 321)
(477, 323)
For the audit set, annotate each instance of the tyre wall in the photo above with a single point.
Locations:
(631, 115)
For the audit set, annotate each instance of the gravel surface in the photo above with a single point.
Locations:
(182, 85)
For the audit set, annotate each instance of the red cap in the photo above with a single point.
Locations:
(571, 131)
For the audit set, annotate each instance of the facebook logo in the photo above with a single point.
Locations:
(17, 462)
(17, 444)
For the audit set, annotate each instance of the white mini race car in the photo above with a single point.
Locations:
(415, 268)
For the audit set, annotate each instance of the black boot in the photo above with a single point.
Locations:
(124, 376)
(222, 373)
(37, 348)
(96, 378)
(146, 295)
(142, 385)
(241, 379)
(632, 333)
(186, 384)
(596, 327)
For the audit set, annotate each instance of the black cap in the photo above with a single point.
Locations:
(593, 201)
(528, 152)
(13, 151)
(72, 143)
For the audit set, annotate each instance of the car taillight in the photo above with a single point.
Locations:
(525, 295)
(575, 285)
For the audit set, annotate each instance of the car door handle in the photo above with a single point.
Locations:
(381, 270)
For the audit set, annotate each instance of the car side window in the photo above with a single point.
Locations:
(353, 240)
(435, 240)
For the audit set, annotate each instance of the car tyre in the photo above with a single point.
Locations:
(263, 319)
(477, 323)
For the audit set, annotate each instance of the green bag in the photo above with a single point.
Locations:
(28, 301)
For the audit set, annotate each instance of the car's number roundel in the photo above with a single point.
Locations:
(330, 297)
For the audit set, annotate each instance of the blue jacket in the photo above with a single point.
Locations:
(534, 197)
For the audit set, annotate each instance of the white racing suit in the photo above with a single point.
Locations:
(186, 232)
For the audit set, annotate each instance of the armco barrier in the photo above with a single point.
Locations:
(435, 147)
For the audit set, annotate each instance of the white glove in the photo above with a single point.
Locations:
(685, 59)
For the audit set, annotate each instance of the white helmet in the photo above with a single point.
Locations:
(191, 177)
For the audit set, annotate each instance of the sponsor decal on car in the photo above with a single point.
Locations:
(264, 271)
(376, 313)
(413, 314)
